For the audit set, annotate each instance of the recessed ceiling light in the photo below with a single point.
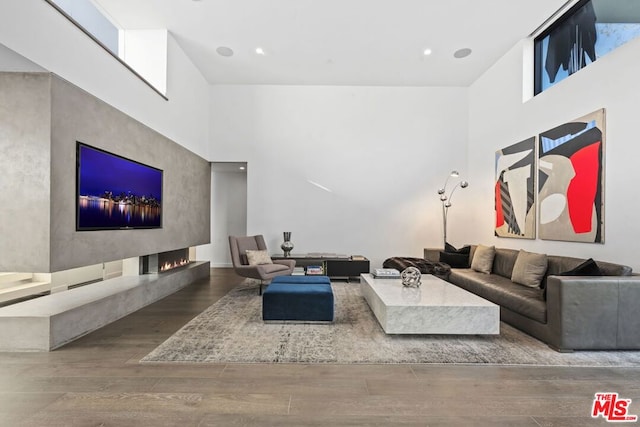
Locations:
(462, 53)
(260, 51)
(428, 52)
(224, 51)
(242, 168)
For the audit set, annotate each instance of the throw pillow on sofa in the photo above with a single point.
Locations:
(587, 268)
(455, 258)
(529, 269)
(483, 259)
(258, 257)
(452, 249)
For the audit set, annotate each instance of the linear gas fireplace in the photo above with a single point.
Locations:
(164, 261)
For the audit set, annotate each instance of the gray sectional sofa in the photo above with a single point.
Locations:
(574, 313)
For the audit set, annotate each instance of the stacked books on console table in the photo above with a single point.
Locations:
(315, 270)
(298, 271)
(386, 273)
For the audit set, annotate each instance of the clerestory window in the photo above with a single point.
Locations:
(91, 20)
(585, 33)
(143, 52)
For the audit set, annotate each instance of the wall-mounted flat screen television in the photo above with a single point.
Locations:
(115, 193)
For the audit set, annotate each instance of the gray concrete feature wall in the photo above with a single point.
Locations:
(25, 162)
(71, 115)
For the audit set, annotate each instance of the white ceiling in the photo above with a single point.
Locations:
(339, 42)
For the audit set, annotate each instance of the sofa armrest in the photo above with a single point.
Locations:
(585, 312)
(628, 319)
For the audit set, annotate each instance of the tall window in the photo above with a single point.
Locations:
(588, 31)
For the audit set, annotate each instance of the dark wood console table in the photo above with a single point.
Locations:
(334, 266)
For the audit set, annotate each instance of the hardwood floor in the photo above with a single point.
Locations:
(97, 381)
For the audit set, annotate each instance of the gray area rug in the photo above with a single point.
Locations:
(232, 331)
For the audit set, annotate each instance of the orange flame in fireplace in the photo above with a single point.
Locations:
(168, 265)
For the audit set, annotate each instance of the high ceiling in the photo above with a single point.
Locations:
(339, 42)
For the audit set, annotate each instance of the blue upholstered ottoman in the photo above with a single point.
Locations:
(301, 279)
(309, 299)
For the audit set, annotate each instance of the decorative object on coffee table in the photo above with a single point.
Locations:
(411, 277)
(287, 246)
(386, 273)
(446, 200)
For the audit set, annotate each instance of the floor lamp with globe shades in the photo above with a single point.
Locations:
(446, 200)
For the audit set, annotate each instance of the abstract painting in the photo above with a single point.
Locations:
(571, 180)
(515, 190)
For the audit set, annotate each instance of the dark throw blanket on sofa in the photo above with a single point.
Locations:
(426, 267)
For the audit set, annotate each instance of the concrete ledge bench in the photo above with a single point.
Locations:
(298, 299)
(48, 322)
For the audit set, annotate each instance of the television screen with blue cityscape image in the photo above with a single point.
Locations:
(116, 193)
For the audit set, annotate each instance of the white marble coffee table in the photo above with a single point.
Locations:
(436, 307)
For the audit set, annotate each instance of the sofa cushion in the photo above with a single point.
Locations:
(502, 291)
(529, 269)
(483, 259)
(504, 261)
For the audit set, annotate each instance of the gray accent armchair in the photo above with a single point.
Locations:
(262, 272)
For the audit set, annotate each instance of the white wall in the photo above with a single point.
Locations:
(228, 212)
(499, 117)
(383, 153)
(146, 52)
(12, 62)
(38, 32)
